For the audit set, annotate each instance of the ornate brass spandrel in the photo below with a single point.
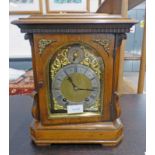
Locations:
(91, 61)
(105, 43)
(95, 107)
(57, 106)
(43, 43)
(60, 61)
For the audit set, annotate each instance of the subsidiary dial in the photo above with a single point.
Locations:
(75, 54)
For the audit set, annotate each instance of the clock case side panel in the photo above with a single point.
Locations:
(115, 103)
(42, 60)
(34, 95)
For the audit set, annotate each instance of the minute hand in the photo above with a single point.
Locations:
(70, 80)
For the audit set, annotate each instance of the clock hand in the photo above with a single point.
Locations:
(74, 86)
(85, 89)
(71, 81)
(75, 55)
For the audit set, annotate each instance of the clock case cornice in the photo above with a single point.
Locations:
(74, 24)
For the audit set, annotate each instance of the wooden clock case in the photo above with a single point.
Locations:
(104, 34)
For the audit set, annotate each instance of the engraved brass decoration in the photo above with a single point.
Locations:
(104, 43)
(60, 61)
(43, 43)
(57, 106)
(96, 106)
(89, 59)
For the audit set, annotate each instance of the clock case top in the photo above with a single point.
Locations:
(75, 23)
(88, 26)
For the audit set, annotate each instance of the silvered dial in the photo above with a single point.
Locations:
(75, 54)
(76, 84)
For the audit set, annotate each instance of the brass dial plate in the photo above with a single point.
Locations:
(80, 59)
(76, 84)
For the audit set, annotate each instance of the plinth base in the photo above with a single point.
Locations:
(105, 133)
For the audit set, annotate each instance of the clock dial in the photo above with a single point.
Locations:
(76, 78)
(76, 84)
(75, 54)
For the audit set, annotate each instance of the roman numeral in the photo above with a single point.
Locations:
(75, 68)
(92, 78)
(59, 97)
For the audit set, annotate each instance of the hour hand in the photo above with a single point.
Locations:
(86, 89)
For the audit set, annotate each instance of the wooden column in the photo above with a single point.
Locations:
(142, 64)
(124, 12)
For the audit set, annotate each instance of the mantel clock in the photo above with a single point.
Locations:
(75, 64)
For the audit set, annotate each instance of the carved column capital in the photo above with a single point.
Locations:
(119, 38)
(29, 36)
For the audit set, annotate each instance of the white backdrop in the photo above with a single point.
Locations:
(20, 48)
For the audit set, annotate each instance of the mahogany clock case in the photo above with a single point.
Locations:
(50, 34)
(42, 64)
